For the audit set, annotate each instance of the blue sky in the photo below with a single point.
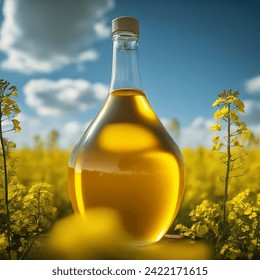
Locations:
(189, 51)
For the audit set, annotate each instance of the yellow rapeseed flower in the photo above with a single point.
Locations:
(215, 139)
(234, 116)
(100, 235)
(219, 100)
(223, 249)
(236, 142)
(240, 105)
(16, 125)
(17, 110)
(220, 113)
(14, 92)
(215, 127)
(6, 111)
(8, 101)
(201, 230)
(245, 228)
(248, 211)
(3, 242)
(230, 99)
(253, 215)
(217, 146)
(232, 215)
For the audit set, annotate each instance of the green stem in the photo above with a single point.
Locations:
(8, 230)
(227, 177)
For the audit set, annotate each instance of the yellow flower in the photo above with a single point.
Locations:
(242, 125)
(253, 215)
(16, 125)
(234, 253)
(217, 147)
(239, 222)
(234, 116)
(215, 127)
(240, 105)
(32, 227)
(6, 111)
(254, 242)
(258, 199)
(236, 142)
(8, 101)
(3, 242)
(215, 139)
(223, 249)
(14, 92)
(201, 230)
(230, 99)
(11, 145)
(240, 131)
(245, 228)
(248, 211)
(219, 100)
(232, 215)
(17, 110)
(220, 113)
(100, 235)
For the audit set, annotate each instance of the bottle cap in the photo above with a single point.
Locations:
(129, 24)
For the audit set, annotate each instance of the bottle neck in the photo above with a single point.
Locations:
(125, 67)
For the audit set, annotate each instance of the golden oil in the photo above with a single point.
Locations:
(127, 161)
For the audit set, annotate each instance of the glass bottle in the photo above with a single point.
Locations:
(126, 160)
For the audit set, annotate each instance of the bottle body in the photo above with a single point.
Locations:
(127, 161)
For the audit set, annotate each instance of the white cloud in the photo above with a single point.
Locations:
(56, 98)
(255, 129)
(253, 85)
(43, 36)
(30, 127)
(71, 133)
(252, 115)
(72, 127)
(196, 134)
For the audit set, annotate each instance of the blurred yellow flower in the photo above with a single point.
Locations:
(232, 215)
(100, 235)
(234, 116)
(217, 146)
(236, 142)
(3, 242)
(215, 139)
(215, 127)
(200, 229)
(16, 125)
(240, 105)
